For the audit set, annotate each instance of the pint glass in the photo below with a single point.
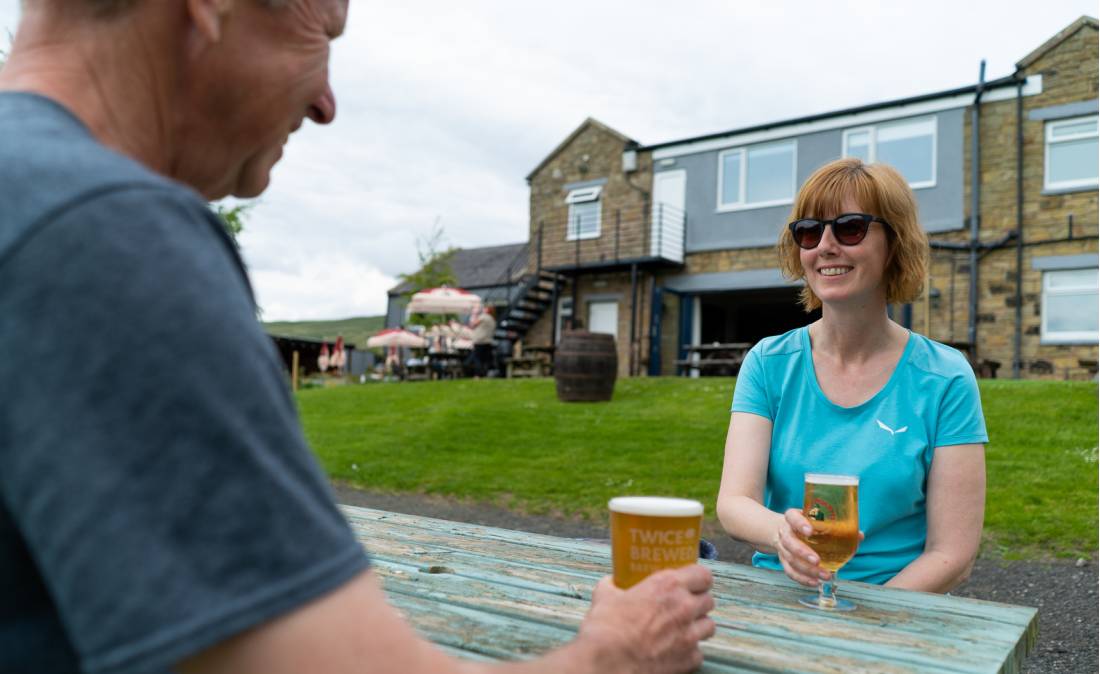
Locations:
(831, 504)
(650, 533)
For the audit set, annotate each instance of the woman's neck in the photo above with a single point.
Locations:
(854, 335)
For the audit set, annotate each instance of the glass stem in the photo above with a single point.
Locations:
(827, 591)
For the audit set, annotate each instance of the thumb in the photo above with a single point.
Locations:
(604, 589)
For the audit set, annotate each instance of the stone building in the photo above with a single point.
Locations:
(672, 244)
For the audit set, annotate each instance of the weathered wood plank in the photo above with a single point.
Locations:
(785, 627)
(547, 581)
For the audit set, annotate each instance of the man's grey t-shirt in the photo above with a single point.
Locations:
(156, 493)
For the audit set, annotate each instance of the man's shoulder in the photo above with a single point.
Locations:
(50, 163)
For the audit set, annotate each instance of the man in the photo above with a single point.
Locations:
(159, 509)
(484, 326)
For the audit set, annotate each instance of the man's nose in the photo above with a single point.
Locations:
(323, 109)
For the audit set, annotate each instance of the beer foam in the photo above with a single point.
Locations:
(839, 480)
(655, 506)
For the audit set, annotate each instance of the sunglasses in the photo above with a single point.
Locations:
(848, 229)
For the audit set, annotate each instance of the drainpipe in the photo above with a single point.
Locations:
(1017, 336)
(633, 318)
(975, 215)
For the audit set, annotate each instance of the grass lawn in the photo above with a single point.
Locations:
(512, 443)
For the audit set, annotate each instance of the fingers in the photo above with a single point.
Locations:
(798, 521)
(695, 578)
(703, 629)
(799, 562)
(603, 589)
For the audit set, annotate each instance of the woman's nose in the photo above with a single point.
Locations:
(828, 242)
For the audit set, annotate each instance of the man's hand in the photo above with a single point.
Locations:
(652, 628)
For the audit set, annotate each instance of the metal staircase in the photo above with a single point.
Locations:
(538, 293)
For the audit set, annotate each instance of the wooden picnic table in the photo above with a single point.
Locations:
(530, 361)
(715, 358)
(493, 594)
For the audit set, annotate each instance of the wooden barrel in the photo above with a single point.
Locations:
(585, 366)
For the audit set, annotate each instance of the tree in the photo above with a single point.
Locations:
(233, 218)
(435, 270)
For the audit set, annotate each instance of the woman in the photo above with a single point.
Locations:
(855, 393)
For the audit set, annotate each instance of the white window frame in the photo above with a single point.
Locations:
(742, 205)
(872, 147)
(565, 312)
(1048, 140)
(1068, 336)
(584, 195)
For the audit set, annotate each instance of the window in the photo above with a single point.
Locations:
(565, 317)
(757, 176)
(1069, 306)
(1071, 153)
(584, 213)
(908, 145)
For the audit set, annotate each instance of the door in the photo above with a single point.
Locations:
(667, 237)
(604, 317)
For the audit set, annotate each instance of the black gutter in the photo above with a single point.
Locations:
(608, 265)
(633, 316)
(973, 89)
(968, 246)
(1017, 337)
(975, 208)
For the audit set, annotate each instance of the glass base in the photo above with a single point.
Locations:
(814, 601)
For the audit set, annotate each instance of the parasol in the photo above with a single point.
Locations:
(444, 300)
(396, 337)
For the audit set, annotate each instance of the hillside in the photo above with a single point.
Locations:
(353, 330)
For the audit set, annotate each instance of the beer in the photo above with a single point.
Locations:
(650, 533)
(831, 504)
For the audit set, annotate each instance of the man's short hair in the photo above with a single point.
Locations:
(880, 190)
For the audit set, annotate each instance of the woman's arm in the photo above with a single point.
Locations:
(956, 509)
(741, 498)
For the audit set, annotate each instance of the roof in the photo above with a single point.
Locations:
(483, 267)
(1053, 42)
(571, 137)
(993, 84)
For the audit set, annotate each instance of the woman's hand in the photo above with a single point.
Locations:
(799, 562)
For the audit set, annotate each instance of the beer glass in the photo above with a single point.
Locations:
(650, 533)
(831, 504)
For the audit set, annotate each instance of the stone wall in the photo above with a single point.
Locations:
(1069, 73)
(602, 287)
(595, 153)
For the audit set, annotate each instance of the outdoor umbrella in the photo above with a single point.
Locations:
(396, 337)
(339, 357)
(444, 300)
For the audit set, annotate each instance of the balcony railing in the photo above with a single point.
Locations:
(668, 231)
(617, 236)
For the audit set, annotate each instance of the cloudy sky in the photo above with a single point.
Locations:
(444, 107)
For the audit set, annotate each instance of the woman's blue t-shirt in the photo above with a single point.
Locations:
(930, 401)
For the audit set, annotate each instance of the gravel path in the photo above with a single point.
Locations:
(1064, 593)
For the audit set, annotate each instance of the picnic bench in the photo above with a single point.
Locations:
(492, 594)
(713, 359)
(531, 361)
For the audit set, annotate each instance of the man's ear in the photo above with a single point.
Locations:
(207, 16)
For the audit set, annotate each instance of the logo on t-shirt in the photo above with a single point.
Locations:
(892, 431)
